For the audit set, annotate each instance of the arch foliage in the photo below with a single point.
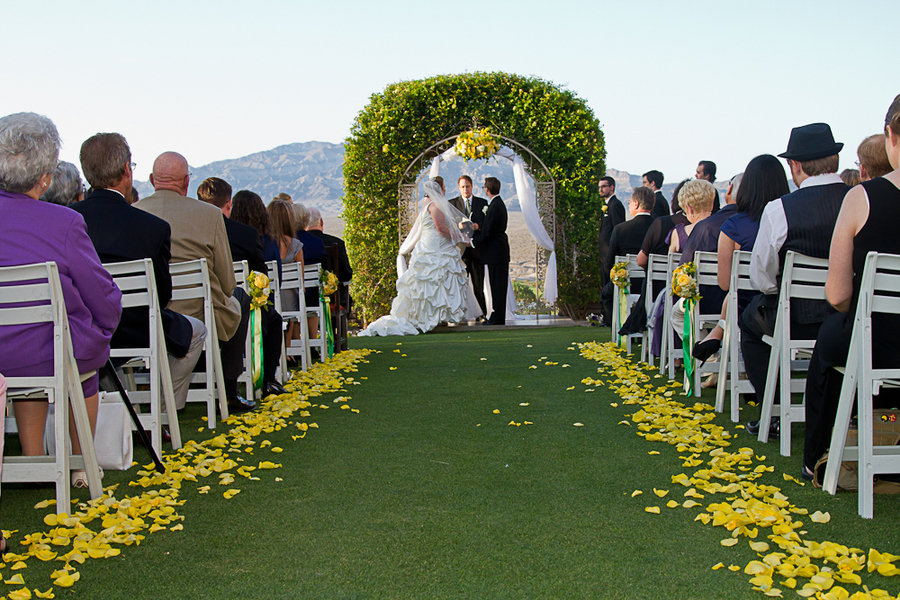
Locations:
(409, 116)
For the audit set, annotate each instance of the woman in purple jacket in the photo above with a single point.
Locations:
(33, 232)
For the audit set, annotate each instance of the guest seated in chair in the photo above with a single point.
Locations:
(866, 222)
(121, 232)
(35, 232)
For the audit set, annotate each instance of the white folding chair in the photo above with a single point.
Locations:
(311, 281)
(802, 277)
(634, 272)
(137, 282)
(275, 285)
(879, 289)
(292, 279)
(657, 271)
(667, 354)
(241, 279)
(707, 264)
(731, 366)
(190, 281)
(39, 288)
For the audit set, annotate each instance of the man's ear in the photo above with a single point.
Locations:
(151, 180)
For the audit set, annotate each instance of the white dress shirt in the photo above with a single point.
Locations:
(765, 263)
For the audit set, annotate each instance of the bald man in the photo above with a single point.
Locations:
(198, 231)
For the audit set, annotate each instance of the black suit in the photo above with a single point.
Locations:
(627, 238)
(492, 248)
(121, 233)
(246, 244)
(343, 270)
(474, 267)
(615, 214)
(660, 206)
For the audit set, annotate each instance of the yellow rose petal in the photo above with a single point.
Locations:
(19, 565)
(718, 566)
(47, 594)
(734, 568)
(16, 579)
(672, 503)
(759, 546)
(523, 403)
(67, 580)
(729, 542)
(21, 594)
(652, 509)
(636, 493)
(820, 517)
(578, 424)
(690, 504)
(496, 411)
(653, 453)
(661, 493)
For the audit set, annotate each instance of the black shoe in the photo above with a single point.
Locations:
(703, 350)
(239, 404)
(807, 473)
(774, 427)
(273, 387)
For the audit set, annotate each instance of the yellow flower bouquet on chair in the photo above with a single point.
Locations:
(684, 284)
(619, 276)
(259, 298)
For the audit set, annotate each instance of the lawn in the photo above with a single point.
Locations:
(462, 475)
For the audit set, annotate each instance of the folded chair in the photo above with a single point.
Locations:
(634, 272)
(657, 271)
(275, 286)
(190, 280)
(241, 279)
(38, 287)
(311, 275)
(707, 264)
(731, 365)
(879, 294)
(802, 277)
(137, 282)
(668, 352)
(292, 278)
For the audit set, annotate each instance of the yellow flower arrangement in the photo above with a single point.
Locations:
(619, 275)
(475, 144)
(684, 281)
(329, 282)
(259, 289)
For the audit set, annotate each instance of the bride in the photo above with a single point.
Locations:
(434, 287)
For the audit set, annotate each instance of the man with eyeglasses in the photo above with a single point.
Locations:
(615, 214)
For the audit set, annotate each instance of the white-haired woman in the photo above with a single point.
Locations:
(33, 232)
(66, 187)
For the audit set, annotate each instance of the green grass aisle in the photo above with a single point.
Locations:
(428, 491)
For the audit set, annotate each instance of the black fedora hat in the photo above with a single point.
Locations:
(810, 142)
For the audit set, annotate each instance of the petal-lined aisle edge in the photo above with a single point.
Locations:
(99, 528)
(827, 569)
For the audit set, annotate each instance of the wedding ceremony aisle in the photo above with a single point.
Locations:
(527, 463)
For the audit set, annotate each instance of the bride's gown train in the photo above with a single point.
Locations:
(432, 290)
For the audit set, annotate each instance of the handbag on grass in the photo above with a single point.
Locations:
(113, 443)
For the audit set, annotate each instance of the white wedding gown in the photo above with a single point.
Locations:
(432, 290)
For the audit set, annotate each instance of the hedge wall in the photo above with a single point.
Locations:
(408, 117)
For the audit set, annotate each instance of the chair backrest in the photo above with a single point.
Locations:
(292, 277)
(272, 268)
(803, 277)
(32, 295)
(879, 294)
(707, 264)
(740, 270)
(190, 281)
(242, 274)
(656, 267)
(673, 258)
(311, 275)
(137, 282)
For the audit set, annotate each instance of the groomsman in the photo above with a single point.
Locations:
(493, 248)
(468, 204)
(615, 214)
(706, 170)
(654, 180)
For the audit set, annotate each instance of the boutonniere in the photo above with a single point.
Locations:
(481, 209)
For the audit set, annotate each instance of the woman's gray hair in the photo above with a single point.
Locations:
(301, 216)
(66, 185)
(29, 148)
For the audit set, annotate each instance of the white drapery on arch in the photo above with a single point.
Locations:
(528, 202)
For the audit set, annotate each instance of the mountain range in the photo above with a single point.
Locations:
(312, 173)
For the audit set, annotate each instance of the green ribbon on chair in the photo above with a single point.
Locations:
(623, 310)
(256, 349)
(687, 344)
(329, 331)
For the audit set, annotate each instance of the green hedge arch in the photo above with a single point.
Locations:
(409, 116)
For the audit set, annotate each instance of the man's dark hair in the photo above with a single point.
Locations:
(215, 191)
(466, 177)
(644, 197)
(655, 177)
(709, 169)
(492, 185)
(610, 181)
(104, 157)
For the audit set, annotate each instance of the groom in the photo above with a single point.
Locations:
(492, 248)
(473, 207)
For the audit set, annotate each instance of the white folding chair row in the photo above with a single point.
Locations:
(803, 277)
(707, 264)
(38, 286)
(657, 271)
(634, 272)
(190, 280)
(879, 294)
(731, 365)
(275, 286)
(137, 282)
(667, 353)
(241, 279)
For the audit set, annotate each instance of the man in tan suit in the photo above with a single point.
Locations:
(198, 231)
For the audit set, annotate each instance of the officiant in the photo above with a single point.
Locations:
(466, 203)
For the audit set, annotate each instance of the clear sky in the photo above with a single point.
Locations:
(670, 82)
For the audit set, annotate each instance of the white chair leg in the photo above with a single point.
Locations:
(765, 415)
